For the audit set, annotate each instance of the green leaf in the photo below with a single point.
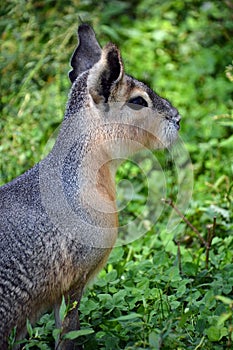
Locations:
(213, 333)
(228, 143)
(189, 268)
(76, 334)
(216, 333)
(155, 340)
(56, 332)
(62, 310)
(129, 317)
(29, 328)
(224, 317)
(225, 300)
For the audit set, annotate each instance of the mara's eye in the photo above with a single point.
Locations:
(137, 103)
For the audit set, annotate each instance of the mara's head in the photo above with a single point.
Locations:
(111, 97)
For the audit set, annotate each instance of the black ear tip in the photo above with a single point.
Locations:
(84, 28)
(87, 53)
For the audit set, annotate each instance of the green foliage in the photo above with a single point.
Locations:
(163, 291)
(40, 336)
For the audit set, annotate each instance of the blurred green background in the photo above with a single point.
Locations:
(183, 50)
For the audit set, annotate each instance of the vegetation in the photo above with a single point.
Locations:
(172, 288)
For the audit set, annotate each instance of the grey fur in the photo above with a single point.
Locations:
(58, 220)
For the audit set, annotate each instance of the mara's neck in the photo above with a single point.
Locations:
(85, 159)
(86, 172)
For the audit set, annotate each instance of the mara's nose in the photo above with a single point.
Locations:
(177, 122)
(175, 117)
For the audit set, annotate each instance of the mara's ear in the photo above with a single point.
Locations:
(105, 74)
(86, 54)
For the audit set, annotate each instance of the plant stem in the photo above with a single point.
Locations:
(178, 256)
(170, 202)
(211, 232)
